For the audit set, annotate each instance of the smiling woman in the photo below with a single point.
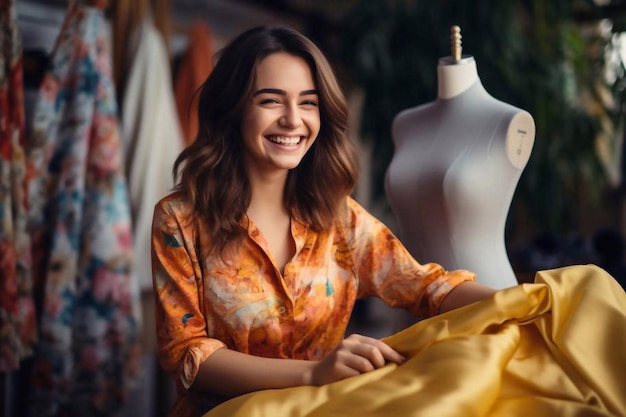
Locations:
(260, 253)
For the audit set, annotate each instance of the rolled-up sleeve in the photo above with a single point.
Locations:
(183, 342)
(387, 270)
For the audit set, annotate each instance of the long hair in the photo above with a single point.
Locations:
(212, 177)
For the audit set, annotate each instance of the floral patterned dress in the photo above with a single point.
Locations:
(17, 310)
(88, 348)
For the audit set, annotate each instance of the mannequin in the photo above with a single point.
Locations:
(456, 165)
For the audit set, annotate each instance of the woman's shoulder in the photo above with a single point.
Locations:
(361, 223)
(174, 197)
(174, 204)
(356, 210)
(355, 216)
(353, 205)
(173, 215)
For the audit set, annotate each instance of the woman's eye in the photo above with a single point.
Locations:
(269, 101)
(309, 103)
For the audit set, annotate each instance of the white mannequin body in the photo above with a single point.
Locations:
(456, 165)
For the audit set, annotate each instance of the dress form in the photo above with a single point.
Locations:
(456, 165)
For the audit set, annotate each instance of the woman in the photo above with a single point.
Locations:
(260, 253)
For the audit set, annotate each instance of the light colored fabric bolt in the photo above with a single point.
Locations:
(152, 138)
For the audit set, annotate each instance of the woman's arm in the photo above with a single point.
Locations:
(464, 294)
(231, 373)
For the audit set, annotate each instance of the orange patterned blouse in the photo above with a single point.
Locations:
(245, 303)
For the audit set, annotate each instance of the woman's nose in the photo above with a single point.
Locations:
(291, 117)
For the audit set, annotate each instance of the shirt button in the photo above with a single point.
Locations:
(282, 309)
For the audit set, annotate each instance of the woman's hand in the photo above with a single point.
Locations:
(355, 355)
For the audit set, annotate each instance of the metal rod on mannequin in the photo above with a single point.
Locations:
(455, 42)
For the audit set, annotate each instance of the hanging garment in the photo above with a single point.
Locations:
(18, 330)
(152, 138)
(551, 348)
(88, 351)
(195, 66)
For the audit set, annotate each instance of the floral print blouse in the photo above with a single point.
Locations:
(245, 303)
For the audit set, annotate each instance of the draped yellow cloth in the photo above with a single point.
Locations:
(556, 347)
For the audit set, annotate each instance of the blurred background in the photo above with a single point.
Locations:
(561, 60)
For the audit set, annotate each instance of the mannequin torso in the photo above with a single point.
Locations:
(456, 166)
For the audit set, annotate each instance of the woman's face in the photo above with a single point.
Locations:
(282, 118)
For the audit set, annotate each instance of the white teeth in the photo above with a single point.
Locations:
(284, 140)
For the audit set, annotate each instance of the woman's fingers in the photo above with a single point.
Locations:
(389, 354)
(355, 355)
(370, 354)
(376, 351)
(360, 363)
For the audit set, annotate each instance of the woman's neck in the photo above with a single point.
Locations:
(267, 195)
(455, 77)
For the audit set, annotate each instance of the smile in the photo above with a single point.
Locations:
(285, 140)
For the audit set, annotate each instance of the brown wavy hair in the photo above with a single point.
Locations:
(212, 176)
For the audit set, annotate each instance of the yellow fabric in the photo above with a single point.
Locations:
(555, 347)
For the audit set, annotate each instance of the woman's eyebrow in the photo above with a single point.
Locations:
(282, 92)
